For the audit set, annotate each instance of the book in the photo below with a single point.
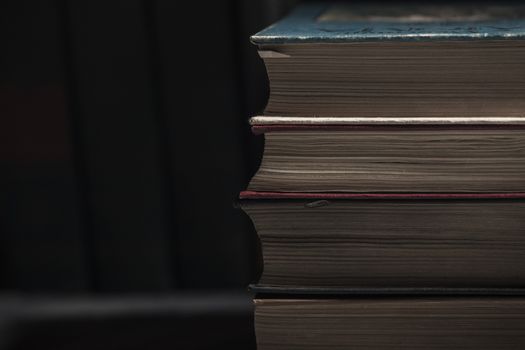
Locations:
(392, 159)
(357, 243)
(390, 199)
(402, 63)
(390, 323)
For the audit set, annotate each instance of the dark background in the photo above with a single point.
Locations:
(124, 142)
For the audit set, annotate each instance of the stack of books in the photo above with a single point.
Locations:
(390, 201)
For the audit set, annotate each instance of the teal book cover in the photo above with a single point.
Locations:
(341, 22)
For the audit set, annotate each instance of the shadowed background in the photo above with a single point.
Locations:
(124, 144)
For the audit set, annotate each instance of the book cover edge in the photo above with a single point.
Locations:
(300, 27)
(327, 196)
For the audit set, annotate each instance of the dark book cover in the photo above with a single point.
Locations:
(330, 196)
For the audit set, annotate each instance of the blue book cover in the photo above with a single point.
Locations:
(339, 22)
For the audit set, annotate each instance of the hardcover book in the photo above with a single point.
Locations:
(400, 243)
(390, 323)
(392, 159)
(341, 63)
(390, 200)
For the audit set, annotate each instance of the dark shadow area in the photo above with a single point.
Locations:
(196, 321)
(124, 144)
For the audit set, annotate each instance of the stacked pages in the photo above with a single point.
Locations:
(390, 201)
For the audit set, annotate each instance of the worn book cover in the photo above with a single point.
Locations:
(341, 22)
(340, 64)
